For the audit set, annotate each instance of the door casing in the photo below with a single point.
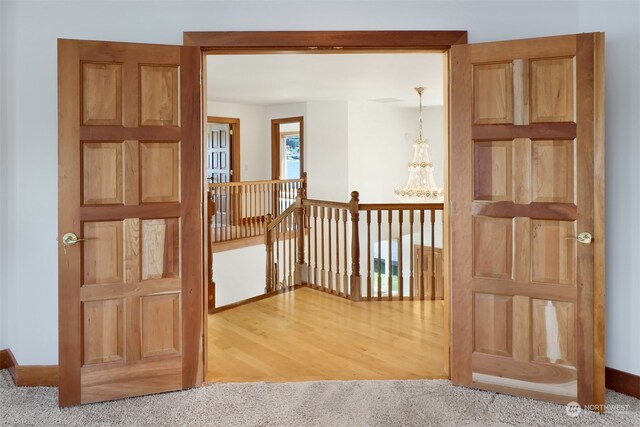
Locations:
(318, 42)
(276, 160)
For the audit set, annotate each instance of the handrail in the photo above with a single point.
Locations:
(244, 183)
(325, 203)
(273, 223)
(402, 206)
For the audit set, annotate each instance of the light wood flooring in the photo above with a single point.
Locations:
(308, 335)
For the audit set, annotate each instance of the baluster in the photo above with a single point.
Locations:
(235, 215)
(338, 276)
(268, 242)
(239, 194)
(214, 220)
(400, 273)
(277, 231)
(250, 214)
(315, 245)
(254, 218)
(345, 277)
(290, 241)
(227, 217)
(433, 255)
(330, 272)
(368, 255)
(307, 233)
(265, 200)
(223, 212)
(389, 263)
(422, 287)
(247, 219)
(379, 254)
(412, 255)
(322, 238)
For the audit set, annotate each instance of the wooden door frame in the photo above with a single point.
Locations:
(314, 42)
(234, 147)
(275, 144)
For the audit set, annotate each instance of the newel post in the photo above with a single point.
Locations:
(300, 273)
(354, 208)
(268, 243)
(211, 285)
(304, 184)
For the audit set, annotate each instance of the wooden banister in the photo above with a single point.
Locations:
(262, 182)
(325, 204)
(310, 242)
(240, 207)
(401, 206)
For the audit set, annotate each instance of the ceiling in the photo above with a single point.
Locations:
(288, 78)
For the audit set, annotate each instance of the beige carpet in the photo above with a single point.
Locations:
(329, 403)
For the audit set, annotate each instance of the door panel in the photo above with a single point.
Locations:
(130, 186)
(524, 121)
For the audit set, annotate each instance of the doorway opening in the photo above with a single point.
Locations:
(287, 148)
(349, 121)
(222, 149)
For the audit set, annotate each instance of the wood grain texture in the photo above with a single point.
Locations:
(549, 292)
(460, 176)
(31, 375)
(599, 229)
(303, 40)
(623, 382)
(381, 340)
(536, 130)
(125, 328)
(192, 189)
(585, 63)
(69, 308)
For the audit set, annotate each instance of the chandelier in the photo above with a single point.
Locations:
(421, 186)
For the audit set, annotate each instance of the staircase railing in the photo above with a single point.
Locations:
(240, 208)
(328, 242)
(281, 242)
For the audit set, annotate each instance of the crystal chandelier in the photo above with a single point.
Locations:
(421, 186)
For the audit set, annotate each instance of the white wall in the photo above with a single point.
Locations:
(239, 274)
(255, 146)
(4, 165)
(381, 145)
(30, 105)
(326, 134)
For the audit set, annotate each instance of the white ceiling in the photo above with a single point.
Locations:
(288, 78)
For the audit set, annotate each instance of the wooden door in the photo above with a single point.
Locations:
(130, 187)
(219, 135)
(527, 177)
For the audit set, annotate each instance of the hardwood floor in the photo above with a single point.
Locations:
(307, 335)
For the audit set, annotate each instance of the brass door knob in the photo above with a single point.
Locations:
(585, 238)
(70, 239)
